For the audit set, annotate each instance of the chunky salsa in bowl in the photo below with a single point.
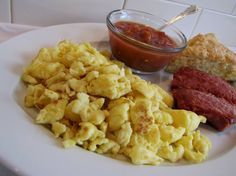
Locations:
(136, 40)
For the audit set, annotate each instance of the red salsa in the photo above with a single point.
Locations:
(137, 57)
(145, 34)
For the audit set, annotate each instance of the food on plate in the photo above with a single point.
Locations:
(145, 34)
(88, 100)
(206, 95)
(190, 78)
(136, 40)
(219, 112)
(206, 53)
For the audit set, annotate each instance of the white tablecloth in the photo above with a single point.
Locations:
(8, 30)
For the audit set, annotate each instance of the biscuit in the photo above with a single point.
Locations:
(206, 53)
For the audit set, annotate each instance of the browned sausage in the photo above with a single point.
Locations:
(219, 112)
(206, 95)
(190, 78)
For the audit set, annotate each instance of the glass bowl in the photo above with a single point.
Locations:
(132, 48)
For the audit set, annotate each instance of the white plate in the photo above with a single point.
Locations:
(30, 149)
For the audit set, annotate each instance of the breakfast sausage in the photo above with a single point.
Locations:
(189, 78)
(219, 112)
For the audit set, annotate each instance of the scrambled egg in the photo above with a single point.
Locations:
(98, 104)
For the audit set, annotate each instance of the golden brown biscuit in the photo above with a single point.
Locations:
(206, 53)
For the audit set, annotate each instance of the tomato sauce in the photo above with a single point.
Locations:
(141, 59)
(145, 34)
